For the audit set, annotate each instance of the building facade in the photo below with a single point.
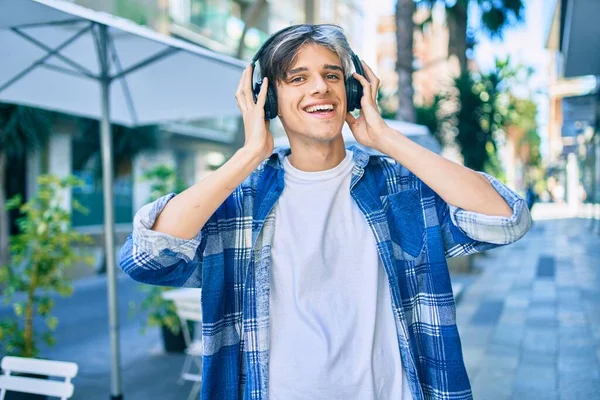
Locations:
(574, 93)
(193, 148)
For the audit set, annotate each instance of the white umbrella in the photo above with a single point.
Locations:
(63, 57)
(415, 132)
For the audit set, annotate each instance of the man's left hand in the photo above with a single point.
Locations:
(369, 128)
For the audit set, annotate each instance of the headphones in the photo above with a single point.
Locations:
(354, 90)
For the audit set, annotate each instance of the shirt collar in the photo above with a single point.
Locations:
(361, 157)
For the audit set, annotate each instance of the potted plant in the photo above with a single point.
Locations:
(41, 253)
(161, 312)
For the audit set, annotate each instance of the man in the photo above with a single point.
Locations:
(323, 269)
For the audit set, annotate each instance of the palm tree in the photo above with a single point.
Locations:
(23, 130)
(496, 16)
(250, 18)
(405, 26)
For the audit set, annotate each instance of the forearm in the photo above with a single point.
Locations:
(455, 184)
(185, 214)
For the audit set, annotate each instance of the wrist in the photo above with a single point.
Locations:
(386, 139)
(251, 156)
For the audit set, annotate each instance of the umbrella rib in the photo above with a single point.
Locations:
(56, 52)
(67, 71)
(50, 53)
(162, 54)
(127, 92)
(51, 23)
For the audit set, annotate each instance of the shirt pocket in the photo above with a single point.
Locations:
(404, 214)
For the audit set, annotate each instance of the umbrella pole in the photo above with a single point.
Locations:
(109, 217)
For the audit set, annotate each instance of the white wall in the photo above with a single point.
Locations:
(60, 161)
(33, 169)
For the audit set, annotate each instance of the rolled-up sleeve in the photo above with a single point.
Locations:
(495, 229)
(157, 258)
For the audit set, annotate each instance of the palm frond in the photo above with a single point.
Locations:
(496, 16)
(23, 129)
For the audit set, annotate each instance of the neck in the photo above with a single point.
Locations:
(317, 156)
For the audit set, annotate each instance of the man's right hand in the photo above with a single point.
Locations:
(186, 214)
(259, 140)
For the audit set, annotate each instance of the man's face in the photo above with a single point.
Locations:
(312, 98)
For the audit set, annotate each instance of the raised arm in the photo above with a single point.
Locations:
(165, 247)
(187, 213)
(475, 210)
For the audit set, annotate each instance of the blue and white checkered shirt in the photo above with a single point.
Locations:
(230, 258)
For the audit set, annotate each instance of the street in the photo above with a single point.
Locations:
(530, 324)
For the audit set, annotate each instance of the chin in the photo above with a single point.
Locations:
(319, 132)
(323, 137)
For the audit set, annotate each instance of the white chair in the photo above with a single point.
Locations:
(189, 309)
(61, 369)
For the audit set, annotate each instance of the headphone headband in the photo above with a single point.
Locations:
(268, 42)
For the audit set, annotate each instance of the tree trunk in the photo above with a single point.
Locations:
(249, 21)
(457, 32)
(3, 213)
(405, 10)
(28, 333)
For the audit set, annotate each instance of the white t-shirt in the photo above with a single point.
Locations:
(333, 333)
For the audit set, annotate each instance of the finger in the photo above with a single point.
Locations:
(366, 87)
(368, 71)
(373, 80)
(262, 95)
(248, 87)
(240, 87)
(241, 105)
(239, 94)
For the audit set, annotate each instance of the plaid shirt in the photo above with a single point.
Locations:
(230, 259)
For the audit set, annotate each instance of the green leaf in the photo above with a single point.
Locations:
(52, 323)
(18, 309)
(14, 202)
(49, 339)
(65, 290)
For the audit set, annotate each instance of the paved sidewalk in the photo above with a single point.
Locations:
(530, 323)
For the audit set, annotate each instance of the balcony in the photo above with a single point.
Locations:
(216, 25)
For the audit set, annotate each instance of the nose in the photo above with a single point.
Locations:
(320, 85)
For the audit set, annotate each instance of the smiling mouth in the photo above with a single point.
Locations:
(321, 110)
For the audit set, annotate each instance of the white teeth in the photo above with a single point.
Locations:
(320, 107)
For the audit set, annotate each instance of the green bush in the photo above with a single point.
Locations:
(41, 253)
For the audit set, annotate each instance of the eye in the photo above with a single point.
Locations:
(333, 76)
(297, 79)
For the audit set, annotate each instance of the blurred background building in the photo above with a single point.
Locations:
(192, 148)
(475, 112)
(574, 70)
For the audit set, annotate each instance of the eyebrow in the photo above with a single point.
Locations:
(304, 69)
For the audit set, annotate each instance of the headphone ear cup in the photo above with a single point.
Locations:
(351, 95)
(271, 100)
(271, 103)
(354, 90)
